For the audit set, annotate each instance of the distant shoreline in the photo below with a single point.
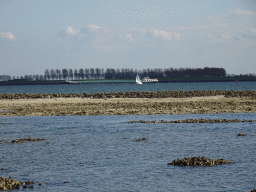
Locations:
(113, 81)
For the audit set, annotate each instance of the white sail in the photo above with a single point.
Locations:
(138, 81)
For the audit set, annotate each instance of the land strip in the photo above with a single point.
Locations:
(128, 103)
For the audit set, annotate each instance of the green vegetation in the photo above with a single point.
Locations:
(248, 78)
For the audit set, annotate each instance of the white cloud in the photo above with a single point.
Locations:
(233, 15)
(228, 27)
(232, 28)
(70, 30)
(214, 19)
(102, 47)
(166, 35)
(242, 12)
(127, 36)
(226, 36)
(8, 35)
(94, 27)
(253, 30)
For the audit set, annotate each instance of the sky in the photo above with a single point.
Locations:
(36, 35)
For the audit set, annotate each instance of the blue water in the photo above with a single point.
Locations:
(96, 88)
(99, 153)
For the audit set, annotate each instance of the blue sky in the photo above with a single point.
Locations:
(57, 34)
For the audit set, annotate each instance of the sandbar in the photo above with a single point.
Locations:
(126, 106)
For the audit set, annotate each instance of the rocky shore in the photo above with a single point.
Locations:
(128, 103)
(198, 161)
(135, 94)
(194, 121)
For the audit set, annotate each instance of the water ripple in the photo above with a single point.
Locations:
(100, 153)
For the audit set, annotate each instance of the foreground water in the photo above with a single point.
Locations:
(98, 88)
(99, 153)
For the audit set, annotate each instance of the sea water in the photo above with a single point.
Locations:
(99, 153)
(98, 88)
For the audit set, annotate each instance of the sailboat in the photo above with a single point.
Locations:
(138, 81)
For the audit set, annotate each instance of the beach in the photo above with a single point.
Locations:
(211, 102)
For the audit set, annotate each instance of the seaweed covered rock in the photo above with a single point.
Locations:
(142, 139)
(9, 183)
(135, 94)
(198, 161)
(3, 140)
(241, 134)
(26, 139)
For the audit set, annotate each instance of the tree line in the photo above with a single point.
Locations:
(127, 73)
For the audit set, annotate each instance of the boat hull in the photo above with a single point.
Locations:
(152, 81)
(69, 82)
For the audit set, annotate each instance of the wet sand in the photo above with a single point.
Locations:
(126, 106)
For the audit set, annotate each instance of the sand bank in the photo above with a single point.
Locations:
(29, 106)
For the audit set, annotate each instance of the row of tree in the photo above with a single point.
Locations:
(5, 77)
(58, 74)
(110, 73)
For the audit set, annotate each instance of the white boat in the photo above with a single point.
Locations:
(148, 80)
(69, 82)
(138, 81)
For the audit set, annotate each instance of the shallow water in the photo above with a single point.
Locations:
(100, 153)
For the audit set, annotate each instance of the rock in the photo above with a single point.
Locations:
(6, 184)
(142, 139)
(29, 182)
(241, 134)
(198, 161)
(142, 94)
(26, 139)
